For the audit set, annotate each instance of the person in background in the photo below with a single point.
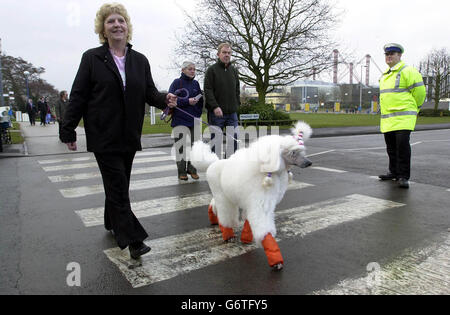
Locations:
(402, 93)
(60, 109)
(222, 91)
(31, 110)
(192, 104)
(109, 92)
(43, 109)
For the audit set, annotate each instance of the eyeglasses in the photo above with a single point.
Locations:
(390, 53)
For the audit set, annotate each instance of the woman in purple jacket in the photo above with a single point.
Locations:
(191, 105)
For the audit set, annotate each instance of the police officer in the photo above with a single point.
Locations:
(402, 93)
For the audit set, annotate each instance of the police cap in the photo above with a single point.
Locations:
(394, 47)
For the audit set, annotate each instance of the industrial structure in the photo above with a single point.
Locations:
(314, 95)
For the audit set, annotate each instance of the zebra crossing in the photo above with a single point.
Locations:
(180, 254)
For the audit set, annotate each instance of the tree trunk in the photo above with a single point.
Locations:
(437, 92)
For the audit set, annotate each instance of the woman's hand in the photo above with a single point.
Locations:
(193, 101)
(72, 146)
(171, 100)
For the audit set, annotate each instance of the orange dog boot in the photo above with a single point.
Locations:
(246, 235)
(227, 233)
(272, 252)
(212, 217)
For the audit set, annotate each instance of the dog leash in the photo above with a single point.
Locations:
(186, 97)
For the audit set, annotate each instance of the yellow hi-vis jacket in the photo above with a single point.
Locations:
(402, 93)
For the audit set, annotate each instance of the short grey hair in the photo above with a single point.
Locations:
(187, 64)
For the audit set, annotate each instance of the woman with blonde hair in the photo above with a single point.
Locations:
(109, 92)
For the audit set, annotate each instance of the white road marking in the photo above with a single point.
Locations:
(87, 158)
(147, 208)
(320, 153)
(94, 164)
(134, 171)
(83, 191)
(327, 169)
(423, 271)
(180, 254)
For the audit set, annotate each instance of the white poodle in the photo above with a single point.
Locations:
(254, 179)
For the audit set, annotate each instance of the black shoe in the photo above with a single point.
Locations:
(403, 183)
(182, 174)
(191, 170)
(138, 249)
(388, 176)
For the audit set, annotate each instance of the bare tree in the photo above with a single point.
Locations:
(275, 42)
(14, 80)
(435, 68)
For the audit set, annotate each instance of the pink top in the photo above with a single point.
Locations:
(120, 63)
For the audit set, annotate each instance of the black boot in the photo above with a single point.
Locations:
(403, 183)
(388, 176)
(182, 174)
(138, 249)
(192, 171)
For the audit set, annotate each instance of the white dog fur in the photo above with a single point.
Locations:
(241, 181)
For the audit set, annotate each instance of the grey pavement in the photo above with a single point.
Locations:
(44, 140)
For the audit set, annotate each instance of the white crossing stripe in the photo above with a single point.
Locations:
(87, 158)
(142, 209)
(134, 171)
(320, 153)
(327, 169)
(94, 164)
(84, 191)
(180, 254)
(424, 271)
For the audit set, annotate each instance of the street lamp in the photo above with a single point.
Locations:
(26, 73)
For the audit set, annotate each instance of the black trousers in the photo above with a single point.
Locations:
(116, 171)
(43, 115)
(399, 152)
(181, 148)
(32, 118)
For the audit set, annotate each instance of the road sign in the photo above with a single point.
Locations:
(249, 117)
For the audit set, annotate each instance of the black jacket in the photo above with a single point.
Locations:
(222, 88)
(60, 109)
(113, 117)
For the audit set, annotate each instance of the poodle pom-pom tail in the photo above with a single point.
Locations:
(201, 156)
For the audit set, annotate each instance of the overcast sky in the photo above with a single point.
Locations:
(54, 33)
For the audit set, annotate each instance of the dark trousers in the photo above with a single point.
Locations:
(43, 114)
(32, 118)
(399, 152)
(222, 123)
(116, 171)
(181, 148)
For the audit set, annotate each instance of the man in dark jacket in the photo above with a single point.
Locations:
(31, 110)
(222, 92)
(61, 109)
(43, 108)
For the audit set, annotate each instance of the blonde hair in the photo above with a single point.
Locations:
(222, 45)
(106, 10)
